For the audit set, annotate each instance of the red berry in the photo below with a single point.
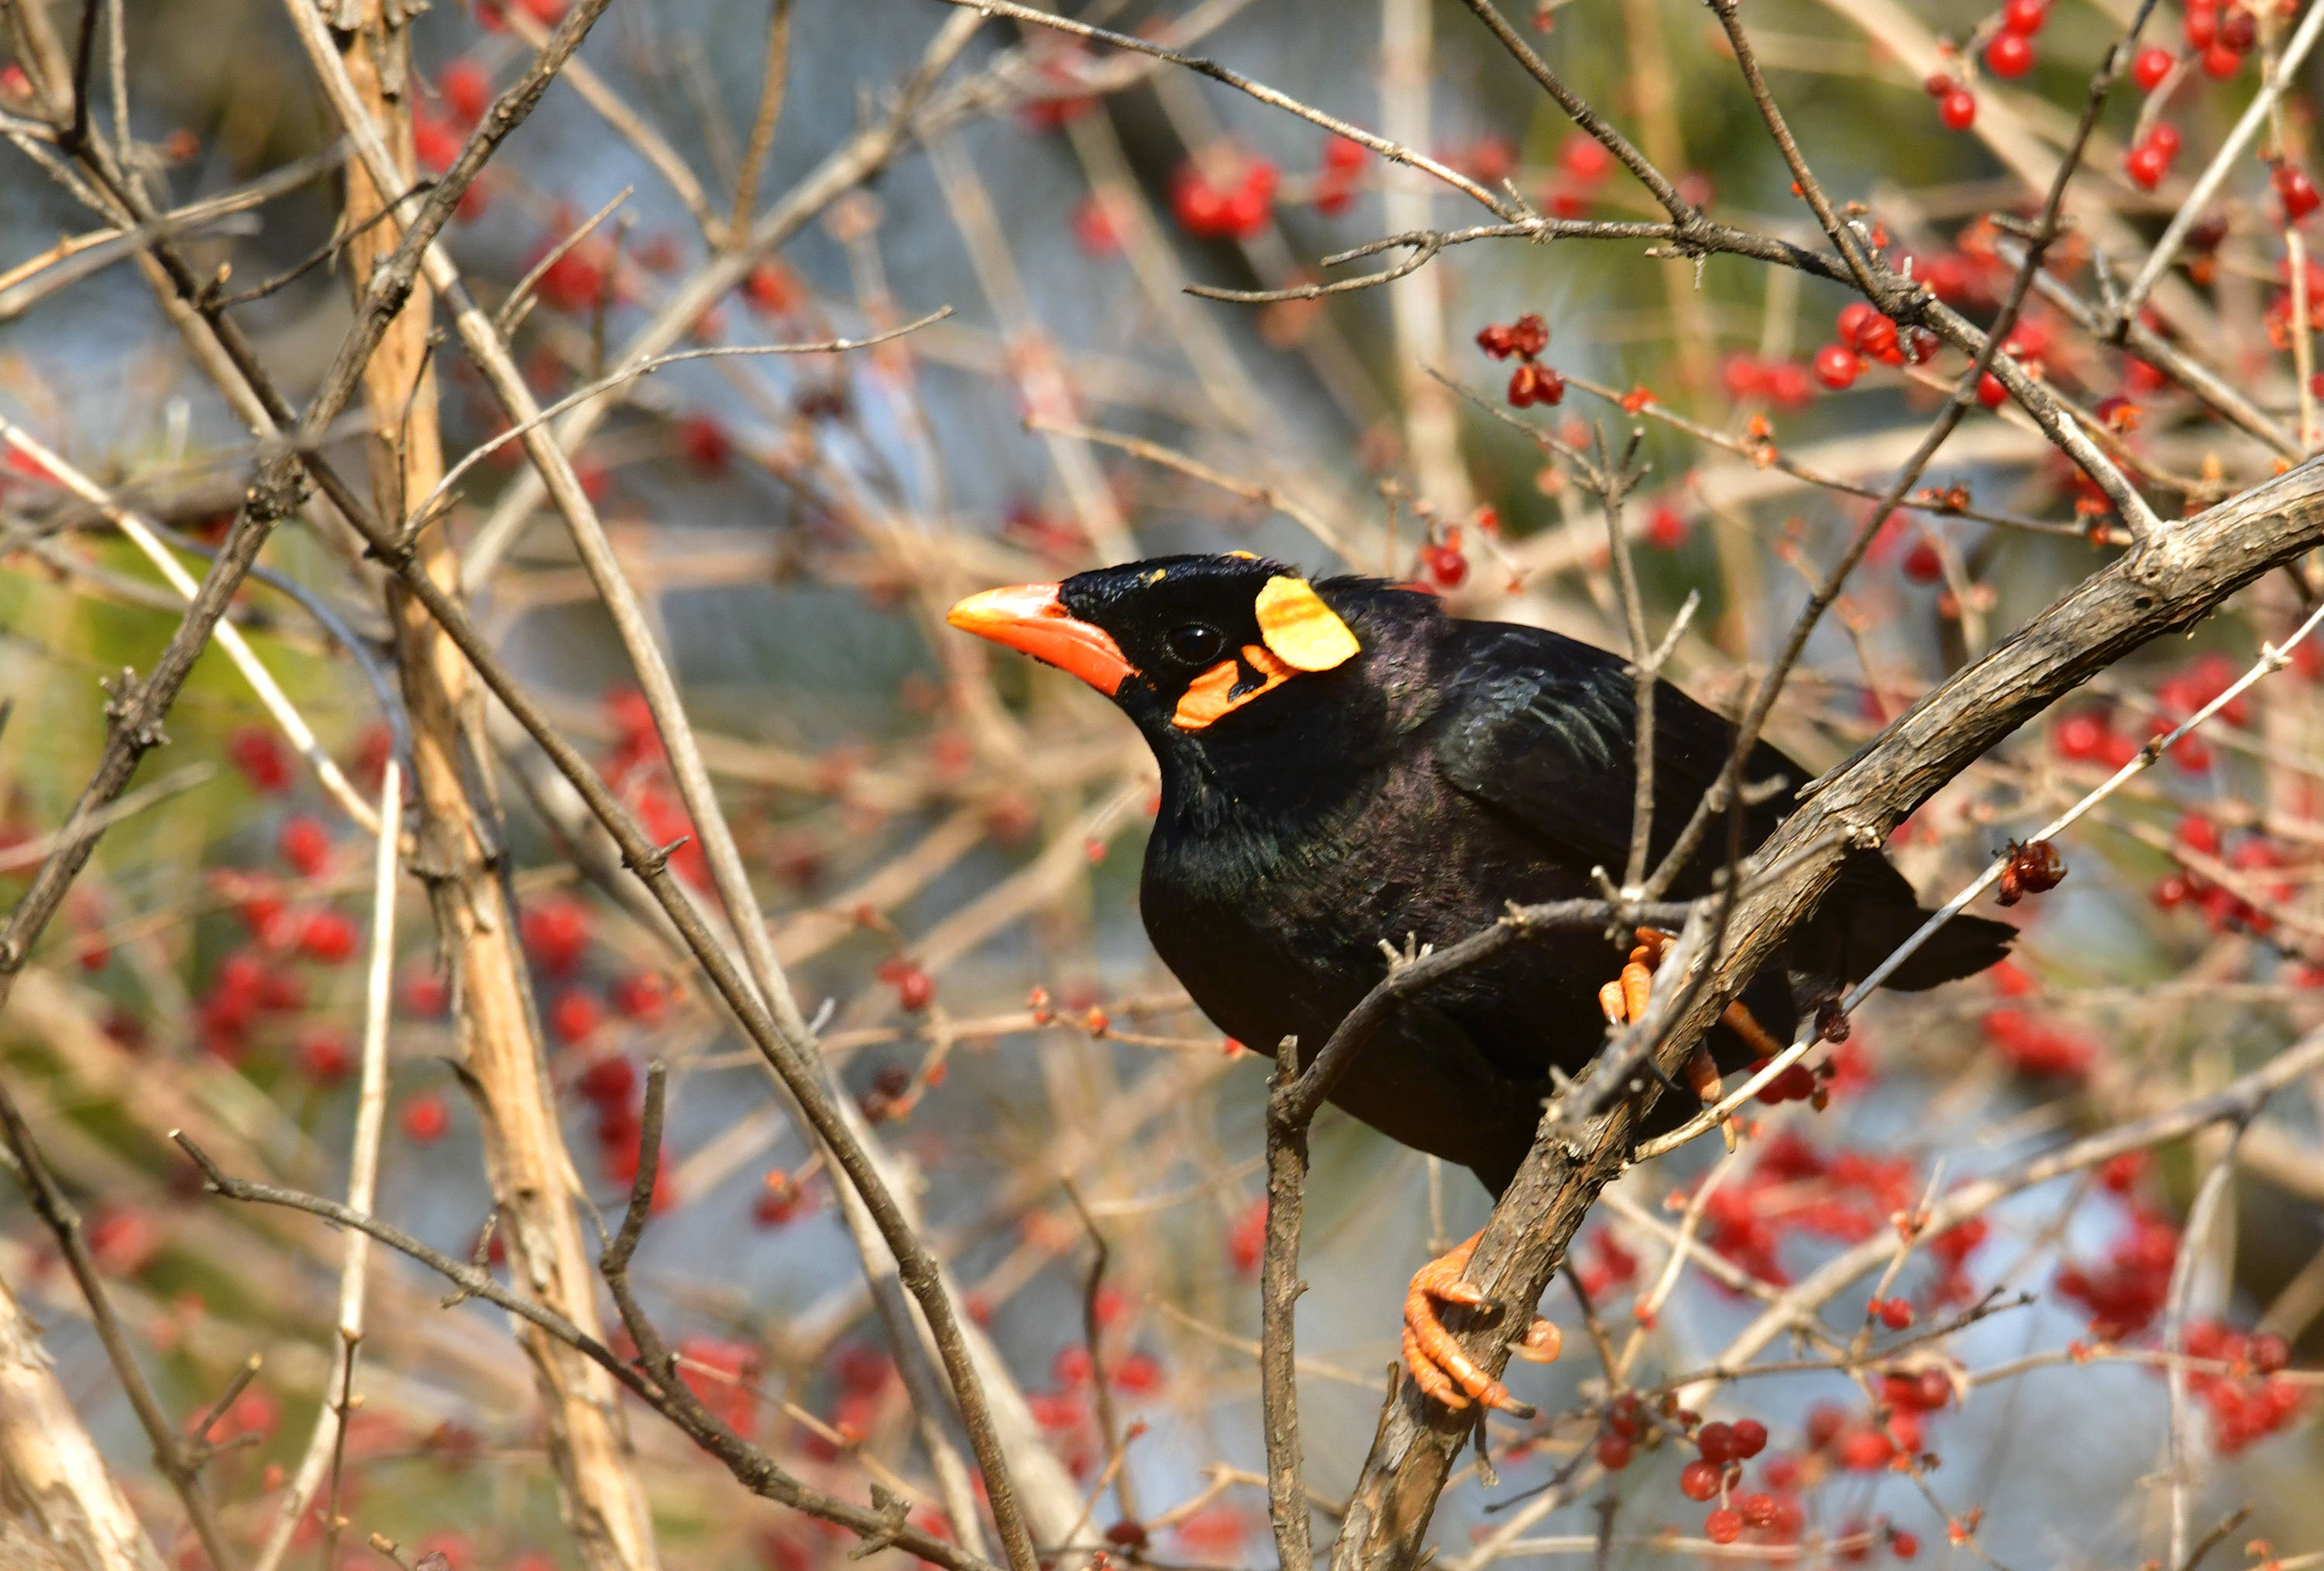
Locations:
(305, 845)
(2145, 164)
(1922, 565)
(2297, 192)
(1665, 527)
(2238, 31)
(425, 1119)
(2220, 62)
(1957, 109)
(608, 1081)
(324, 1056)
(573, 1017)
(2009, 55)
(1877, 336)
(1750, 1439)
(1447, 566)
(260, 759)
(1584, 158)
(1990, 391)
(1717, 1443)
(1895, 1314)
(704, 443)
(1757, 1510)
(1933, 1390)
(1614, 1452)
(425, 994)
(2201, 26)
(556, 933)
(1345, 156)
(1723, 1526)
(1903, 1546)
(2150, 68)
(1699, 1480)
(640, 996)
(2025, 16)
(771, 288)
(1835, 366)
(1866, 1450)
(327, 937)
(914, 988)
(467, 89)
(1851, 320)
(434, 143)
(2165, 138)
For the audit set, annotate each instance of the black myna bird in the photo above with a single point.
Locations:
(1343, 764)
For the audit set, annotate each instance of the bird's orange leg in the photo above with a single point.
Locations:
(1626, 1000)
(1438, 1364)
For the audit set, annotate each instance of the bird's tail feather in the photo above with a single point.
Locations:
(1963, 947)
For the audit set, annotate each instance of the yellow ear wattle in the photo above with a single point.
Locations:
(1300, 629)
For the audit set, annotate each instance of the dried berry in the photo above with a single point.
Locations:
(2034, 868)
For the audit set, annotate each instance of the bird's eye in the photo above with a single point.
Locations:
(1197, 644)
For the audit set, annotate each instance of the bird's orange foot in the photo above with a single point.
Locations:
(1625, 1000)
(1439, 1364)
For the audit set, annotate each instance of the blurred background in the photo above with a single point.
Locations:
(947, 844)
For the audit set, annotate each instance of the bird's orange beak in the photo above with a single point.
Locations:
(1028, 617)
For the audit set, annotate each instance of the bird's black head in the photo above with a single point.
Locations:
(1180, 642)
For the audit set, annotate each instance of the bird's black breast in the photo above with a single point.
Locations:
(1274, 929)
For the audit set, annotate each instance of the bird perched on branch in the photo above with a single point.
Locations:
(1343, 764)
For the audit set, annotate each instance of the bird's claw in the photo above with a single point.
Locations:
(1439, 1364)
(1625, 1000)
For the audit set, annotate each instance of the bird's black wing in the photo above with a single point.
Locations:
(1544, 729)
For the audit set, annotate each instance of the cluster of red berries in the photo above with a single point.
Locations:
(2149, 161)
(1782, 383)
(1229, 198)
(1247, 1239)
(2127, 1290)
(639, 772)
(1065, 1410)
(2222, 34)
(2280, 307)
(1794, 1187)
(587, 273)
(1797, 1083)
(2009, 53)
(1607, 1266)
(1956, 104)
(2224, 909)
(2037, 1048)
(1773, 1514)
(253, 982)
(1526, 337)
(723, 1375)
(1866, 334)
(2246, 1404)
(1335, 181)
